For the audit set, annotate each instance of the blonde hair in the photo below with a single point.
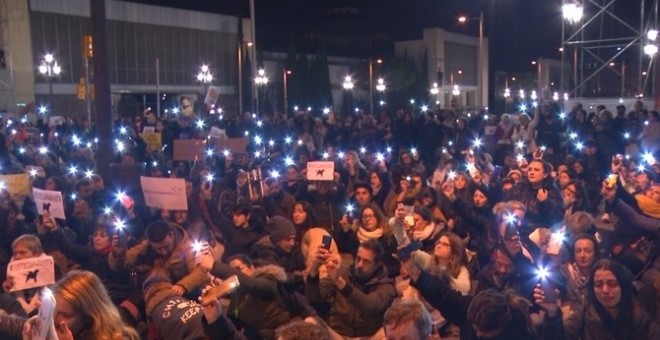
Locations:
(84, 291)
(30, 242)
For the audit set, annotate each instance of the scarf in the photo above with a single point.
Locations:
(648, 206)
(422, 235)
(364, 234)
(577, 276)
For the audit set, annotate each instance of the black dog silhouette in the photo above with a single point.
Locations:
(31, 275)
(46, 207)
(320, 172)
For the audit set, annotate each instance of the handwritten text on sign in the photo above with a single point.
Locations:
(32, 272)
(320, 171)
(49, 201)
(164, 193)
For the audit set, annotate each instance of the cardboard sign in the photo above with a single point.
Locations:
(320, 171)
(16, 184)
(212, 95)
(50, 201)
(189, 149)
(235, 145)
(32, 272)
(35, 171)
(55, 120)
(490, 130)
(217, 133)
(153, 139)
(164, 193)
(45, 315)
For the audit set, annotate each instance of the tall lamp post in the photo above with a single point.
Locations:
(205, 77)
(480, 56)
(50, 68)
(371, 83)
(285, 74)
(259, 80)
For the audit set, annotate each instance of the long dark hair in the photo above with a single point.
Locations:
(622, 326)
(310, 221)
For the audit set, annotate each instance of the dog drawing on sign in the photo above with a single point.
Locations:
(31, 275)
(46, 207)
(319, 172)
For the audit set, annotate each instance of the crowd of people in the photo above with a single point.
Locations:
(434, 225)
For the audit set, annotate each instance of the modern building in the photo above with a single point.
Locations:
(149, 47)
(453, 63)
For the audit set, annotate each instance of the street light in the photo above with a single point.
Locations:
(260, 80)
(480, 57)
(205, 77)
(572, 12)
(348, 83)
(50, 68)
(371, 83)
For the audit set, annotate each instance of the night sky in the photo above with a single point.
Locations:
(519, 30)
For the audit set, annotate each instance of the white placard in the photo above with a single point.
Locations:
(32, 272)
(490, 130)
(164, 193)
(149, 129)
(50, 201)
(55, 120)
(212, 95)
(218, 133)
(320, 171)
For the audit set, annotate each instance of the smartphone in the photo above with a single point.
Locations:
(326, 241)
(611, 180)
(556, 242)
(408, 219)
(228, 286)
(497, 170)
(406, 252)
(548, 289)
(45, 315)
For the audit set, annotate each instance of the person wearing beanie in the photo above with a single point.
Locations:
(279, 248)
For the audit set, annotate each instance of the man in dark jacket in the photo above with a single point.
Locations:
(279, 248)
(359, 299)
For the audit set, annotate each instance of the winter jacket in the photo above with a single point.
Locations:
(240, 240)
(263, 303)
(11, 327)
(348, 243)
(358, 309)
(585, 324)
(454, 308)
(180, 264)
(264, 252)
(538, 214)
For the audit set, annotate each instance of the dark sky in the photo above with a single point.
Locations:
(519, 30)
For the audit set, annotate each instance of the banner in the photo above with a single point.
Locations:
(235, 145)
(16, 184)
(153, 139)
(212, 95)
(164, 193)
(49, 201)
(32, 272)
(189, 149)
(320, 171)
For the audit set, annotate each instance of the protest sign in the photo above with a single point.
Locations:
(164, 193)
(55, 120)
(217, 132)
(189, 149)
(49, 201)
(235, 145)
(149, 129)
(31, 272)
(212, 95)
(320, 171)
(153, 140)
(16, 184)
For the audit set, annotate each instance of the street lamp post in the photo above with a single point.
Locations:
(50, 68)
(480, 55)
(285, 73)
(371, 83)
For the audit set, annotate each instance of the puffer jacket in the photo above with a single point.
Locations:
(180, 264)
(358, 309)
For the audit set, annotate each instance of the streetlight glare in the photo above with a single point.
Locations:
(650, 50)
(572, 12)
(49, 58)
(462, 19)
(652, 34)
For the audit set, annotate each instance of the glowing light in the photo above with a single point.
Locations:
(123, 130)
(555, 96)
(535, 104)
(120, 146)
(271, 142)
(89, 173)
(288, 161)
(648, 158)
(425, 108)
(579, 146)
(451, 175)
(326, 111)
(107, 210)
(340, 154)
(572, 12)
(413, 150)
(33, 172)
(521, 93)
(257, 154)
(363, 149)
(326, 155)
(523, 107)
(626, 135)
(520, 144)
(652, 34)
(210, 178)
(520, 157)
(200, 124)
(260, 123)
(309, 108)
(477, 143)
(258, 140)
(72, 170)
(209, 152)
(120, 224)
(274, 174)
(510, 218)
(120, 195)
(43, 110)
(650, 49)
(350, 208)
(562, 115)
(246, 133)
(573, 135)
(43, 150)
(21, 150)
(225, 152)
(76, 140)
(288, 140)
(542, 273)
(154, 164)
(380, 157)
(300, 142)
(388, 149)
(74, 196)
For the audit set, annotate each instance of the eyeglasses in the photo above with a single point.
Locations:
(364, 217)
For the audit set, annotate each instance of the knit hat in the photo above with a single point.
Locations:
(580, 223)
(515, 171)
(280, 228)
